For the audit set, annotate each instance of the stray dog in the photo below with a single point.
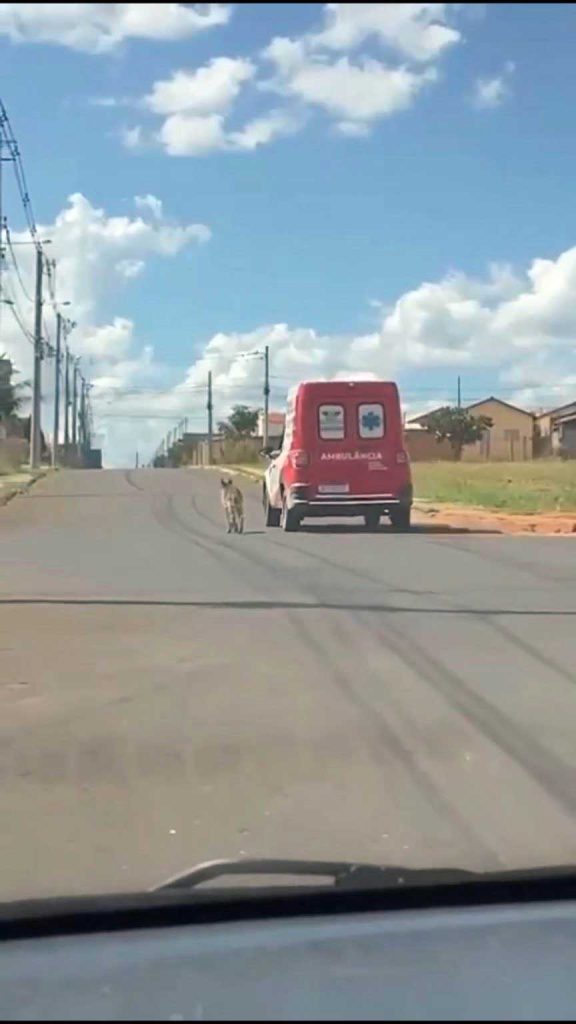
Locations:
(233, 503)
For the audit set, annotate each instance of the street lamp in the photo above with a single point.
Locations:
(262, 354)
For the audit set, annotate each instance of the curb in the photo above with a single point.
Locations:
(22, 488)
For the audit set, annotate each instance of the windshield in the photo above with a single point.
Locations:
(287, 439)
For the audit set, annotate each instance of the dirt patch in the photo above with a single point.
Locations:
(467, 517)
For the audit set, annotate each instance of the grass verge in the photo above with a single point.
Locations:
(546, 485)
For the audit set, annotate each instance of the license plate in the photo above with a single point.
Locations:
(333, 488)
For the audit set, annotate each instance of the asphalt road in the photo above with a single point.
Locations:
(171, 695)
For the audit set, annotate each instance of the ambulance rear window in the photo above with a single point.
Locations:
(331, 422)
(371, 420)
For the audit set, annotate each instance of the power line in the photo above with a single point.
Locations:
(19, 173)
(15, 263)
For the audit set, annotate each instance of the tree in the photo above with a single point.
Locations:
(11, 397)
(242, 422)
(457, 426)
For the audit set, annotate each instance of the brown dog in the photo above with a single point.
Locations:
(233, 504)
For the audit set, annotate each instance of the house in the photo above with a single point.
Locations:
(423, 447)
(557, 431)
(509, 439)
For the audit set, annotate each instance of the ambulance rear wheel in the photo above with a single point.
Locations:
(371, 519)
(400, 517)
(271, 514)
(289, 518)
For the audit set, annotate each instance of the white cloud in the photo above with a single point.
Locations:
(197, 104)
(492, 92)
(263, 130)
(150, 203)
(518, 326)
(101, 28)
(417, 31)
(130, 268)
(132, 138)
(358, 91)
(184, 135)
(363, 91)
(521, 328)
(352, 129)
(89, 244)
(107, 342)
(97, 254)
(206, 90)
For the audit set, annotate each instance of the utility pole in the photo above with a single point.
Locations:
(266, 394)
(459, 392)
(210, 408)
(75, 404)
(57, 361)
(82, 417)
(87, 419)
(35, 424)
(1, 219)
(67, 400)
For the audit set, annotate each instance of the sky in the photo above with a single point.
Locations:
(378, 190)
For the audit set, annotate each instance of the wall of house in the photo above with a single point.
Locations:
(567, 432)
(509, 439)
(551, 430)
(423, 447)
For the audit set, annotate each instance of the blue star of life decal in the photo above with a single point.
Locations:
(371, 421)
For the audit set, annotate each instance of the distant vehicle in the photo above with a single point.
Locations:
(342, 454)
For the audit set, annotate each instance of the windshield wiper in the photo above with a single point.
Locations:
(343, 874)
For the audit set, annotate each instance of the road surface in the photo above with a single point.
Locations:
(171, 695)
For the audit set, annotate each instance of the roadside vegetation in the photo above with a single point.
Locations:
(543, 485)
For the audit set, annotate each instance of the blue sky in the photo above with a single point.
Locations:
(322, 231)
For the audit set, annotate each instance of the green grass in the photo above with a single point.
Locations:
(545, 485)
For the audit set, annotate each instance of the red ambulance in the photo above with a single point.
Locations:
(342, 454)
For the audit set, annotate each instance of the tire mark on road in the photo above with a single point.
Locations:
(357, 574)
(550, 772)
(385, 740)
(128, 476)
(550, 664)
(501, 559)
(485, 617)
